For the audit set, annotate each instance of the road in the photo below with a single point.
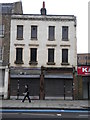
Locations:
(45, 114)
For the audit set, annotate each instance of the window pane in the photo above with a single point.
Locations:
(1, 53)
(1, 30)
(33, 54)
(19, 31)
(19, 52)
(33, 32)
(65, 33)
(50, 55)
(51, 32)
(65, 56)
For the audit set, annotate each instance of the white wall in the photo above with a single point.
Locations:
(42, 44)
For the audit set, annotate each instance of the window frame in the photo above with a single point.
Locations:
(1, 54)
(65, 57)
(20, 32)
(34, 35)
(65, 35)
(19, 56)
(51, 56)
(51, 33)
(2, 30)
(33, 59)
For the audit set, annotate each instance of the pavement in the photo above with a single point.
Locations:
(45, 104)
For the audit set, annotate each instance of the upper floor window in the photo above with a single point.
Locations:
(1, 53)
(33, 56)
(51, 33)
(20, 32)
(33, 32)
(19, 56)
(1, 30)
(51, 56)
(65, 33)
(64, 56)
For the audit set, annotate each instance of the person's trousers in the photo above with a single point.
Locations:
(26, 96)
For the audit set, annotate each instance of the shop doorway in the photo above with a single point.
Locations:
(86, 88)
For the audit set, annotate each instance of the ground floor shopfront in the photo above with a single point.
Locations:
(52, 83)
(84, 80)
(86, 87)
(4, 75)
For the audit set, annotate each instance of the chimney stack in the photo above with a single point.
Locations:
(43, 10)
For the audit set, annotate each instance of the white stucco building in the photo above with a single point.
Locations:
(43, 40)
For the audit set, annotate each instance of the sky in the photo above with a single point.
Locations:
(79, 8)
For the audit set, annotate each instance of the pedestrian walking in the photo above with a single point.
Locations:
(26, 94)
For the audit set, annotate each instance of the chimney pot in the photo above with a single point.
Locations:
(43, 4)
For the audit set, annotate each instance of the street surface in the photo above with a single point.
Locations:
(39, 114)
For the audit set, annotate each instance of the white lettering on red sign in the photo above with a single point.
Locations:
(84, 70)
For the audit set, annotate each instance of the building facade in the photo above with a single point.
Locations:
(43, 54)
(83, 62)
(6, 10)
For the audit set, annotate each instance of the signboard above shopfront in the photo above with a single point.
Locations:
(83, 70)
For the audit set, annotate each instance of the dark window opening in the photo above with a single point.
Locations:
(51, 56)
(19, 31)
(19, 56)
(64, 56)
(33, 56)
(33, 32)
(51, 33)
(65, 33)
(1, 30)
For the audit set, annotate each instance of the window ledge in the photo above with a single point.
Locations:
(1, 36)
(51, 39)
(34, 39)
(33, 63)
(19, 62)
(19, 38)
(65, 40)
(65, 64)
(50, 63)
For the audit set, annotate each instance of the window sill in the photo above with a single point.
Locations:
(19, 38)
(34, 39)
(65, 64)
(51, 39)
(50, 63)
(19, 62)
(1, 36)
(65, 40)
(33, 63)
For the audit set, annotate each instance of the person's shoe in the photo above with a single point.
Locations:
(21, 101)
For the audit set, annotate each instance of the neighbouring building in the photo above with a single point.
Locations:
(83, 62)
(43, 54)
(6, 10)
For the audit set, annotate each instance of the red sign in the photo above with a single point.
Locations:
(83, 70)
